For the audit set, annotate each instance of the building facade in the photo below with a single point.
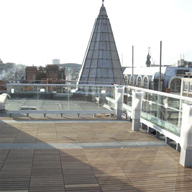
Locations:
(148, 77)
(186, 87)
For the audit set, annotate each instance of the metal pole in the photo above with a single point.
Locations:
(132, 64)
(160, 67)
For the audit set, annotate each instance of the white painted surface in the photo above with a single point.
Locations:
(3, 99)
(136, 110)
(119, 92)
(186, 136)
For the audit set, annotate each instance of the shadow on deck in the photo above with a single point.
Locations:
(89, 156)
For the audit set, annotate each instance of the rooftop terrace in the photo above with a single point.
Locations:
(76, 156)
(80, 138)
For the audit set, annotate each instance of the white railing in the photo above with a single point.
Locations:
(59, 99)
(167, 114)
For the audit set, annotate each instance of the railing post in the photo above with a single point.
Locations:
(186, 136)
(136, 110)
(119, 93)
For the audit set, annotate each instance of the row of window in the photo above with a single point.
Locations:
(175, 84)
(139, 81)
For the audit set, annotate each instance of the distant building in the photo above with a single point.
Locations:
(55, 61)
(55, 74)
(11, 72)
(31, 73)
(148, 77)
(49, 74)
(184, 63)
(7, 72)
(186, 87)
(71, 71)
(52, 71)
(10, 66)
(20, 72)
(2, 67)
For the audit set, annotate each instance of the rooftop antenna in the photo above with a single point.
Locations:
(102, 2)
(132, 65)
(160, 88)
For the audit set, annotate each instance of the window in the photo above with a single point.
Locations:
(185, 86)
(181, 71)
(145, 82)
(190, 87)
(126, 79)
(175, 85)
(139, 81)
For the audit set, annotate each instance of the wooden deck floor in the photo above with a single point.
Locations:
(89, 168)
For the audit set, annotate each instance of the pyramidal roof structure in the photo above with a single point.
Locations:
(101, 63)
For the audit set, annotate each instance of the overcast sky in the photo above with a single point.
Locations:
(37, 31)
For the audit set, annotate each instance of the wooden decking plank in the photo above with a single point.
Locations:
(131, 169)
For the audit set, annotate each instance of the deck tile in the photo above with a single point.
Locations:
(87, 157)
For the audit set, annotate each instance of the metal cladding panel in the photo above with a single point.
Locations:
(104, 54)
(102, 36)
(91, 46)
(102, 61)
(111, 38)
(115, 65)
(105, 37)
(117, 73)
(96, 47)
(94, 37)
(99, 28)
(92, 72)
(88, 63)
(100, 56)
(107, 63)
(89, 55)
(85, 72)
(91, 79)
(110, 73)
(100, 64)
(94, 63)
(102, 45)
(105, 28)
(115, 55)
(109, 54)
(112, 46)
(84, 79)
(95, 54)
(104, 64)
(97, 38)
(103, 72)
(99, 73)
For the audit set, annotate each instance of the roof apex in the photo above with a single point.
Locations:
(102, 12)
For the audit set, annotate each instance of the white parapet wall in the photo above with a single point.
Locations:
(136, 110)
(186, 137)
(119, 92)
(3, 99)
